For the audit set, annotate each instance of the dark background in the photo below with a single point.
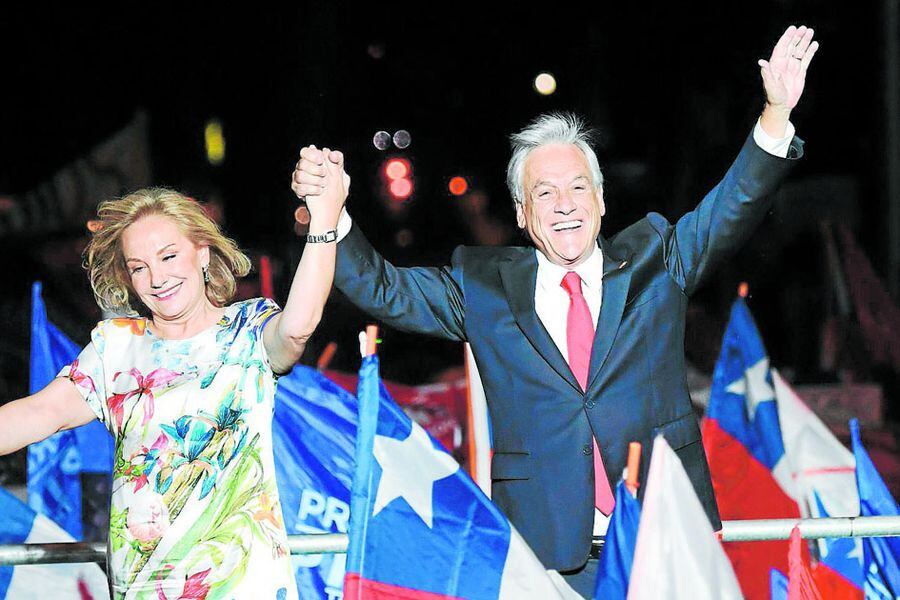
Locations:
(672, 91)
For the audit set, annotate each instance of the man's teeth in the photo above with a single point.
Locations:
(565, 225)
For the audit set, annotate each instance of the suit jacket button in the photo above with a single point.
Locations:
(589, 403)
(587, 450)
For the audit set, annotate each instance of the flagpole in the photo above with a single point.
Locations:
(371, 339)
(634, 465)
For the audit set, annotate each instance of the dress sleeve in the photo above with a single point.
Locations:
(261, 313)
(88, 375)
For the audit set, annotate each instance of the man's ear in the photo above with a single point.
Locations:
(520, 215)
(600, 203)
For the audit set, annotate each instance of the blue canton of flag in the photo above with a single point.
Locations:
(55, 465)
(614, 569)
(742, 398)
(314, 436)
(881, 555)
(419, 526)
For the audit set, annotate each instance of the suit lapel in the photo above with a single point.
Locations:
(616, 277)
(519, 277)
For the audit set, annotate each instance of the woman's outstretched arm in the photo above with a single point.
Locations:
(34, 418)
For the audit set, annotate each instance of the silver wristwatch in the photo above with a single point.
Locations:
(321, 238)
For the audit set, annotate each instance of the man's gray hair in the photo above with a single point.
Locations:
(549, 128)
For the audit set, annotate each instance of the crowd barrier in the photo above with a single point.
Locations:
(336, 543)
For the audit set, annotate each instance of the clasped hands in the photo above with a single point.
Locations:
(320, 181)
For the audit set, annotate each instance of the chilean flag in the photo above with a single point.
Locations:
(419, 526)
(19, 524)
(742, 438)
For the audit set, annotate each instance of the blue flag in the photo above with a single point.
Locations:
(881, 555)
(841, 555)
(614, 569)
(55, 465)
(314, 436)
(419, 525)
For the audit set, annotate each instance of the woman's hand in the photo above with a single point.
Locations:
(319, 180)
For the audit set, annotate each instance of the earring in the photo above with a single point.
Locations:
(205, 273)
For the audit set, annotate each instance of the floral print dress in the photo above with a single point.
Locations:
(195, 510)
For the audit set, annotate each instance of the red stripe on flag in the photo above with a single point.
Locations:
(355, 587)
(826, 470)
(834, 586)
(746, 489)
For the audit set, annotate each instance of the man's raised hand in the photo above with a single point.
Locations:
(784, 74)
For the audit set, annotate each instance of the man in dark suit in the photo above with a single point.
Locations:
(580, 340)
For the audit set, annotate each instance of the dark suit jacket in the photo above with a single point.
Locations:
(541, 420)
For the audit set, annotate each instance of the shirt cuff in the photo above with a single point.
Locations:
(344, 224)
(774, 146)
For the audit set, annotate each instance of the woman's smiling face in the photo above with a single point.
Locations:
(165, 266)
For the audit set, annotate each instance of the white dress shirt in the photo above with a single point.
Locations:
(551, 301)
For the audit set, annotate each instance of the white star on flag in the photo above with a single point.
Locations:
(409, 469)
(754, 386)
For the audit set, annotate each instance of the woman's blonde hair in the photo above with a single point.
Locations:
(105, 262)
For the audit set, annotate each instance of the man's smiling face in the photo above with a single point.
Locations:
(562, 207)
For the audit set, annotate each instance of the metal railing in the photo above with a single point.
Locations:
(336, 543)
(810, 529)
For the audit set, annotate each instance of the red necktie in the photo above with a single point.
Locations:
(580, 339)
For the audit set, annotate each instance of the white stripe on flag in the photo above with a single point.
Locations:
(677, 555)
(525, 577)
(817, 460)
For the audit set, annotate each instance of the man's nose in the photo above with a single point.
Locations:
(565, 204)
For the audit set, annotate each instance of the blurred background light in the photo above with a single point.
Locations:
(402, 139)
(401, 189)
(545, 84)
(382, 140)
(215, 142)
(458, 185)
(376, 50)
(396, 168)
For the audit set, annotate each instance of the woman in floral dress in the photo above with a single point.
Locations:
(187, 391)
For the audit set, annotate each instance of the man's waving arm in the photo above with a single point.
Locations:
(730, 212)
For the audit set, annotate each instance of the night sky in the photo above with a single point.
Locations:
(673, 92)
